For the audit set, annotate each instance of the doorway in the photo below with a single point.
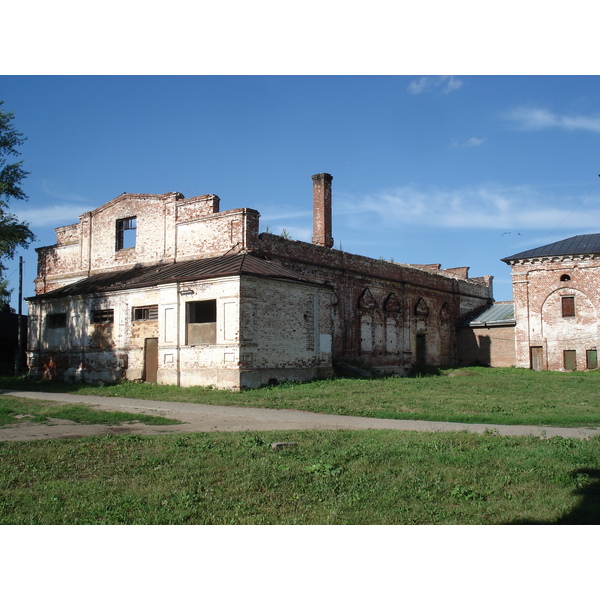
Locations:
(150, 360)
(537, 358)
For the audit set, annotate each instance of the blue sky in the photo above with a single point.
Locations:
(457, 170)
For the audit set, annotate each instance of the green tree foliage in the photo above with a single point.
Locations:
(13, 233)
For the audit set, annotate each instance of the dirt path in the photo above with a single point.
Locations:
(204, 417)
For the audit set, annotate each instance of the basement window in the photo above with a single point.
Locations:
(201, 322)
(568, 306)
(103, 316)
(56, 320)
(126, 229)
(145, 313)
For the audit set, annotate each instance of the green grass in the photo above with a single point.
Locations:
(330, 477)
(15, 410)
(471, 395)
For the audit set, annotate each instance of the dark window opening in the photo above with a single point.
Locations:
(421, 350)
(565, 278)
(568, 306)
(202, 322)
(570, 360)
(145, 313)
(126, 233)
(103, 316)
(56, 320)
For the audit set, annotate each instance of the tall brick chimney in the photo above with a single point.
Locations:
(322, 210)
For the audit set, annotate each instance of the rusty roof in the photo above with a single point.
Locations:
(192, 270)
(578, 244)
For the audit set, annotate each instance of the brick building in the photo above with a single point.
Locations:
(488, 338)
(556, 290)
(170, 289)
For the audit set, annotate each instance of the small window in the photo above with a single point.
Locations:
(56, 320)
(146, 313)
(202, 322)
(570, 360)
(103, 316)
(565, 278)
(126, 233)
(591, 359)
(568, 306)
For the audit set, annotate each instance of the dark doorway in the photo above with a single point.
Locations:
(150, 360)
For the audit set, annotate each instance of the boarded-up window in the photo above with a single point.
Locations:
(570, 360)
(202, 322)
(592, 359)
(103, 316)
(568, 306)
(145, 313)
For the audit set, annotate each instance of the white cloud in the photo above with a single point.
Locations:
(55, 215)
(302, 234)
(473, 141)
(278, 216)
(535, 119)
(446, 83)
(494, 208)
(63, 194)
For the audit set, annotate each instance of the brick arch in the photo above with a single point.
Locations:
(445, 314)
(366, 301)
(421, 308)
(579, 333)
(391, 303)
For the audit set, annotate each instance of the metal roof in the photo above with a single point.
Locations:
(579, 244)
(193, 270)
(500, 313)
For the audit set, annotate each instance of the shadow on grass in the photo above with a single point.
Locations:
(29, 385)
(587, 511)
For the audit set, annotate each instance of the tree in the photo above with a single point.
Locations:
(13, 233)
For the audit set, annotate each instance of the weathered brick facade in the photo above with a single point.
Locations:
(168, 289)
(556, 291)
(488, 338)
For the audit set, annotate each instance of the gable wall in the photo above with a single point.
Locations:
(168, 228)
(537, 291)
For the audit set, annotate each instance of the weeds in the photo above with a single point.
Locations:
(471, 395)
(332, 477)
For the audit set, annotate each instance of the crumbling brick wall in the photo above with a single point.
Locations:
(538, 288)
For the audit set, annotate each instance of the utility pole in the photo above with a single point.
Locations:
(20, 325)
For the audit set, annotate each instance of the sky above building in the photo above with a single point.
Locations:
(457, 170)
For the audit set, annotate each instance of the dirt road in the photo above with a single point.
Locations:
(203, 417)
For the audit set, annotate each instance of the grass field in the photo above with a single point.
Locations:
(328, 477)
(370, 477)
(15, 410)
(470, 395)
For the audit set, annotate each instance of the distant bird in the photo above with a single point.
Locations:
(505, 233)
